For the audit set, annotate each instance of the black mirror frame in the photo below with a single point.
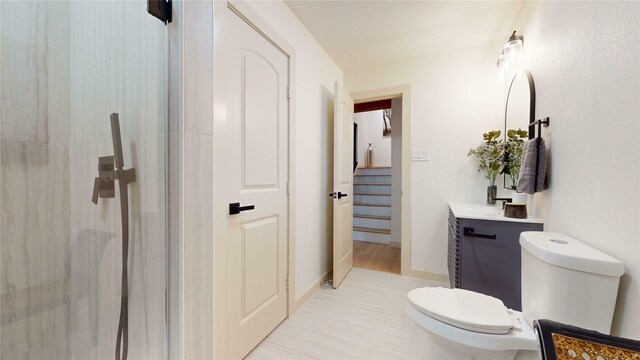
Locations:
(532, 110)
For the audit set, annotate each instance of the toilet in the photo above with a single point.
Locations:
(563, 280)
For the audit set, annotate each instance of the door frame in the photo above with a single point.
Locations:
(242, 9)
(403, 91)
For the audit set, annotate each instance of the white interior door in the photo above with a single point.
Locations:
(251, 168)
(342, 185)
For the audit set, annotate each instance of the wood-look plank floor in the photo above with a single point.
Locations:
(374, 256)
(363, 319)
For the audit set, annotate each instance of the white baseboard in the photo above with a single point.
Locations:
(308, 294)
(427, 275)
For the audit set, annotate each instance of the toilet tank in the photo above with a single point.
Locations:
(568, 281)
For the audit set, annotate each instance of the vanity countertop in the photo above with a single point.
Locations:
(485, 212)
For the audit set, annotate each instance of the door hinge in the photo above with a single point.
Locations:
(287, 283)
(287, 188)
(288, 91)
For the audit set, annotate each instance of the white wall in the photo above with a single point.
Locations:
(456, 97)
(315, 74)
(585, 60)
(370, 126)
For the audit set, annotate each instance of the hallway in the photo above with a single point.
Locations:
(373, 256)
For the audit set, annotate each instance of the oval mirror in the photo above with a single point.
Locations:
(519, 112)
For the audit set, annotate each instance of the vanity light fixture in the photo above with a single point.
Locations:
(514, 40)
(512, 48)
(508, 59)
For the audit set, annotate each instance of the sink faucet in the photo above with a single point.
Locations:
(504, 201)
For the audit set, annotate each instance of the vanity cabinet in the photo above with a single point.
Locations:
(484, 255)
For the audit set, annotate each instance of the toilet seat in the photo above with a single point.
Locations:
(464, 309)
(520, 336)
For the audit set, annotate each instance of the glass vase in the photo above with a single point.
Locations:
(492, 192)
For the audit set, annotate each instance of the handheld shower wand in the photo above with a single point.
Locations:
(110, 169)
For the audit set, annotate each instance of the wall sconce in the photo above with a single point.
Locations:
(508, 59)
(513, 46)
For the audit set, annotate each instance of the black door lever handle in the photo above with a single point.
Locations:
(337, 195)
(235, 208)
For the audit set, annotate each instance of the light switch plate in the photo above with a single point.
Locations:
(420, 155)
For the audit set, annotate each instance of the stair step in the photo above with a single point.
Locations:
(372, 222)
(372, 217)
(373, 171)
(375, 199)
(371, 230)
(379, 205)
(371, 179)
(371, 210)
(372, 189)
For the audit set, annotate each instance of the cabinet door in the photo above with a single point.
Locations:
(490, 265)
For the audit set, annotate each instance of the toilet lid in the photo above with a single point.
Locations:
(463, 309)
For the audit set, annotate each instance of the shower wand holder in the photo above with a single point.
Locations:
(104, 184)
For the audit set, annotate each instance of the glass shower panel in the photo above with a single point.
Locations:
(65, 67)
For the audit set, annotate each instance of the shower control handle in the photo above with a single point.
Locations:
(235, 208)
(104, 184)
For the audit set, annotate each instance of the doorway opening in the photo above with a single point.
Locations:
(376, 185)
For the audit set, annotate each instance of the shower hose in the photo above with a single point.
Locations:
(122, 341)
(111, 168)
(124, 177)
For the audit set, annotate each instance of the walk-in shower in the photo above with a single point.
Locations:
(83, 88)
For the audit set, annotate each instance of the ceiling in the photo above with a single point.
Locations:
(359, 34)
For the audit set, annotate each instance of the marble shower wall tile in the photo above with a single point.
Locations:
(118, 61)
(35, 71)
(66, 66)
(198, 76)
(173, 249)
(35, 258)
(117, 54)
(96, 253)
(34, 181)
(198, 246)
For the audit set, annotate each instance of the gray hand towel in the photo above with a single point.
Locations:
(533, 164)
